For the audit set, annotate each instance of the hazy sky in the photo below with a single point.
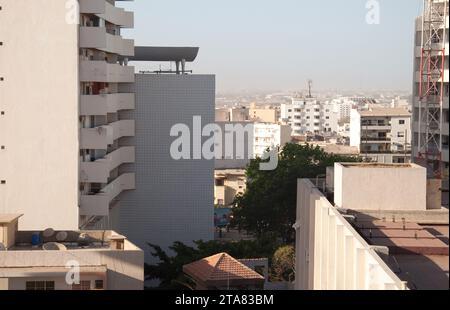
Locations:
(279, 44)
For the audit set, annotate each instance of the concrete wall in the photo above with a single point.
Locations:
(173, 200)
(39, 95)
(355, 129)
(380, 187)
(125, 269)
(330, 254)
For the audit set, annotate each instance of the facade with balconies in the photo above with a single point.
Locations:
(382, 135)
(103, 70)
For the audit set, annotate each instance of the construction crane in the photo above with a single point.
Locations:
(432, 87)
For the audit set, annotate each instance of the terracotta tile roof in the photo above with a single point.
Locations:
(222, 268)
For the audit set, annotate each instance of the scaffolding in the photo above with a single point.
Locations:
(432, 87)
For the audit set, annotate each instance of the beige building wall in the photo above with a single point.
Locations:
(39, 128)
(228, 184)
(264, 115)
(380, 187)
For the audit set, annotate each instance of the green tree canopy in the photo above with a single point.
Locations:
(269, 204)
(283, 264)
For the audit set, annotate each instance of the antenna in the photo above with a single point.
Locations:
(310, 83)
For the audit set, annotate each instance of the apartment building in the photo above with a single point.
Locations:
(309, 115)
(61, 123)
(382, 134)
(67, 260)
(364, 240)
(343, 107)
(250, 140)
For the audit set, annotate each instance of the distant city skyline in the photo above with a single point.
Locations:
(259, 45)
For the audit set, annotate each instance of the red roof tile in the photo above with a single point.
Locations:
(221, 268)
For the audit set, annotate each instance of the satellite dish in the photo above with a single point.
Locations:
(61, 236)
(2, 247)
(54, 246)
(49, 232)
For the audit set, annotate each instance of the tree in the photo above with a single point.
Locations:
(269, 204)
(283, 264)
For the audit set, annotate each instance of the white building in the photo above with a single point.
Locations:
(270, 136)
(308, 115)
(343, 106)
(382, 134)
(61, 122)
(250, 140)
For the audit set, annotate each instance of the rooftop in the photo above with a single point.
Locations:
(220, 269)
(385, 112)
(378, 165)
(417, 254)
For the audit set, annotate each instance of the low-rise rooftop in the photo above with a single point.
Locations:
(385, 112)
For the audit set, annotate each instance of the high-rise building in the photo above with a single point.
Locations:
(61, 122)
(431, 89)
(382, 134)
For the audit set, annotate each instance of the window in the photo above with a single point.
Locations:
(401, 135)
(402, 122)
(40, 286)
(83, 286)
(220, 182)
(98, 284)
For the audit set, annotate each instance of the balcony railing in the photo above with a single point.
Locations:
(101, 71)
(99, 38)
(108, 12)
(99, 171)
(98, 204)
(106, 103)
(99, 138)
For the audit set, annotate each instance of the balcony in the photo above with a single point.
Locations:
(98, 204)
(98, 138)
(376, 140)
(99, 171)
(101, 71)
(106, 103)
(97, 37)
(108, 12)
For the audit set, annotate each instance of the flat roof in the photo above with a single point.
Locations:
(378, 165)
(417, 254)
(385, 112)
